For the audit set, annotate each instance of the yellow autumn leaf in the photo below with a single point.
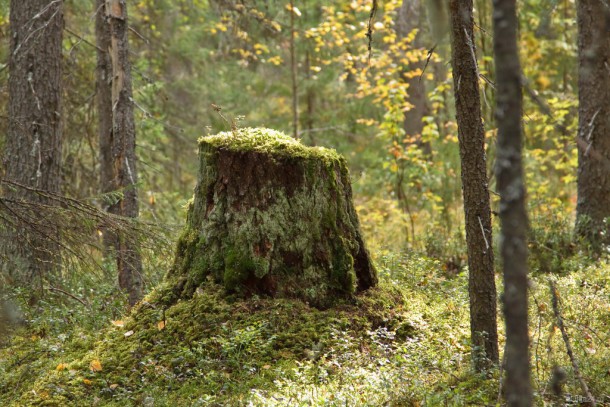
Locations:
(161, 325)
(118, 323)
(114, 386)
(87, 382)
(61, 366)
(95, 365)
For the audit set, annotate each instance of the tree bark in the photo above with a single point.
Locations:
(103, 77)
(272, 217)
(118, 137)
(471, 134)
(32, 154)
(513, 214)
(593, 206)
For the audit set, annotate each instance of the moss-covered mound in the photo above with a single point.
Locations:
(272, 217)
(214, 345)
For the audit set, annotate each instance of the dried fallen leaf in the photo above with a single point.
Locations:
(267, 367)
(161, 325)
(61, 366)
(128, 334)
(114, 386)
(95, 365)
(118, 323)
(87, 382)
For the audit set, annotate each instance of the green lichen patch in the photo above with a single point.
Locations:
(222, 346)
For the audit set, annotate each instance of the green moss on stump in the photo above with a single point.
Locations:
(271, 216)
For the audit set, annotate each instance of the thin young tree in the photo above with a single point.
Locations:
(117, 135)
(294, 72)
(593, 207)
(513, 214)
(471, 135)
(103, 76)
(32, 152)
(408, 19)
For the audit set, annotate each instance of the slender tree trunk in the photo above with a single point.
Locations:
(104, 112)
(593, 207)
(408, 18)
(118, 135)
(293, 74)
(481, 279)
(513, 215)
(32, 154)
(310, 99)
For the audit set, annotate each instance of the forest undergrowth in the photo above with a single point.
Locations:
(404, 344)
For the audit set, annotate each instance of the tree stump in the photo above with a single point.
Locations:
(272, 217)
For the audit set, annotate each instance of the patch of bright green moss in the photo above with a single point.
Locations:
(268, 141)
(216, 344)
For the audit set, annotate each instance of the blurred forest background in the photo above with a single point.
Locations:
(187, 55)
(204, 66)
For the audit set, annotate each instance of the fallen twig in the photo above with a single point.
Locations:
(74, 297)
(566, 340)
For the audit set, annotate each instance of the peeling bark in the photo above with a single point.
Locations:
(118, 136)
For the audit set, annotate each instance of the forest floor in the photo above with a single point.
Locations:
(404, 344)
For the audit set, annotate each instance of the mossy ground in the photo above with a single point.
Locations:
(222, 346)
(403, 344)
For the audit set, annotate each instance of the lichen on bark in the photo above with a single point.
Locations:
(271, 216)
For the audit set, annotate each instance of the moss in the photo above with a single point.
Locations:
(210, 343)
(238, 269)
(270, 142)
(271, 217)
(342, 272)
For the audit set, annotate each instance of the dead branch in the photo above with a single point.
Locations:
(566, 340)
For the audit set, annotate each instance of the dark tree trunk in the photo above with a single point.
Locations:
(471, 134)
(118, 137)
(103, 76)
(593, 207)
(408, 18)
(513, 215)
(32, 154)
(272, 217)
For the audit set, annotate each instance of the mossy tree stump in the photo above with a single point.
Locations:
(272, 217)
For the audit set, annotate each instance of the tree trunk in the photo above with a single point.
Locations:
(32, 154)
(593, 207)
(293, 74)
(103, 77)
(272, 217)
(471, 134)
(407, 20)
(120, 138)
(513, 215)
